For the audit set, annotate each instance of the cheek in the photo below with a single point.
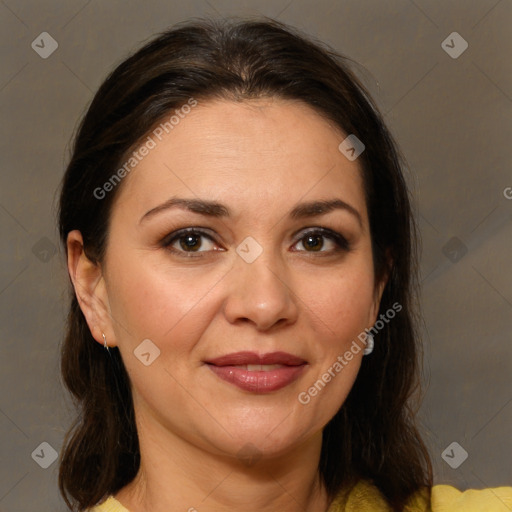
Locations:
(342, 304)
(339, 312)
(156, 302)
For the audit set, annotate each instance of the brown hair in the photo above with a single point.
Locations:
(373, 435)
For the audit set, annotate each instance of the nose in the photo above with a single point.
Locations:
(261, 293)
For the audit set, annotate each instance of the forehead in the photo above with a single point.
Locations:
(270, 149)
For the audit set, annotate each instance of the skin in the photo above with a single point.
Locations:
(260, 158)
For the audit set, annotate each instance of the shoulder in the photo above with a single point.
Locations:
(365, 496)
(443, 498)
(446, 498)
(109, 505)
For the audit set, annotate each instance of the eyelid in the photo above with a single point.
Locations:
(184, 231)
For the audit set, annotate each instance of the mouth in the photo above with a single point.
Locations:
(258, 373)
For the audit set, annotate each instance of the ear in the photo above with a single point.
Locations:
(90, 289)
(379, 289)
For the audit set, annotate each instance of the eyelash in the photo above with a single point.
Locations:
(342, 245)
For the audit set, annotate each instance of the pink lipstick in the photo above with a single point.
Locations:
(258, 373)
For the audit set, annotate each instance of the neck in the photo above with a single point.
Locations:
(179, 476)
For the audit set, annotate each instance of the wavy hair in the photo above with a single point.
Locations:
(373, 435)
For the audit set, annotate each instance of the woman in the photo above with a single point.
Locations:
(242, 254)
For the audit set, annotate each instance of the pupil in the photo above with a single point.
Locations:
(190, 242)
(311, 239)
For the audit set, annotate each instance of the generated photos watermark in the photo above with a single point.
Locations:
(143, 150)
(304, 397)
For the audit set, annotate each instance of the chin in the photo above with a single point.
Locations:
(261, 441)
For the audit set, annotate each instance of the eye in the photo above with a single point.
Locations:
(314, 241)
(189, 241)
(186, 242)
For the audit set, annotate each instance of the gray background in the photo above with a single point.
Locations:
(452, 118)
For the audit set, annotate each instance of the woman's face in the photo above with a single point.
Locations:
(262, 278)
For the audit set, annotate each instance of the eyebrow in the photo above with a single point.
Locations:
(322, 207)
(215, 209)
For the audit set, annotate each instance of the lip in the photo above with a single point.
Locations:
(240, 358)
(230, 368)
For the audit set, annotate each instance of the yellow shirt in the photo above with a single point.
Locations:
(365, 497)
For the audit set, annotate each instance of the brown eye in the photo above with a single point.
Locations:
(189, 241)
(192, 242)
(315, 241)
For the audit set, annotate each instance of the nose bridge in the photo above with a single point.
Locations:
(259, 291)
